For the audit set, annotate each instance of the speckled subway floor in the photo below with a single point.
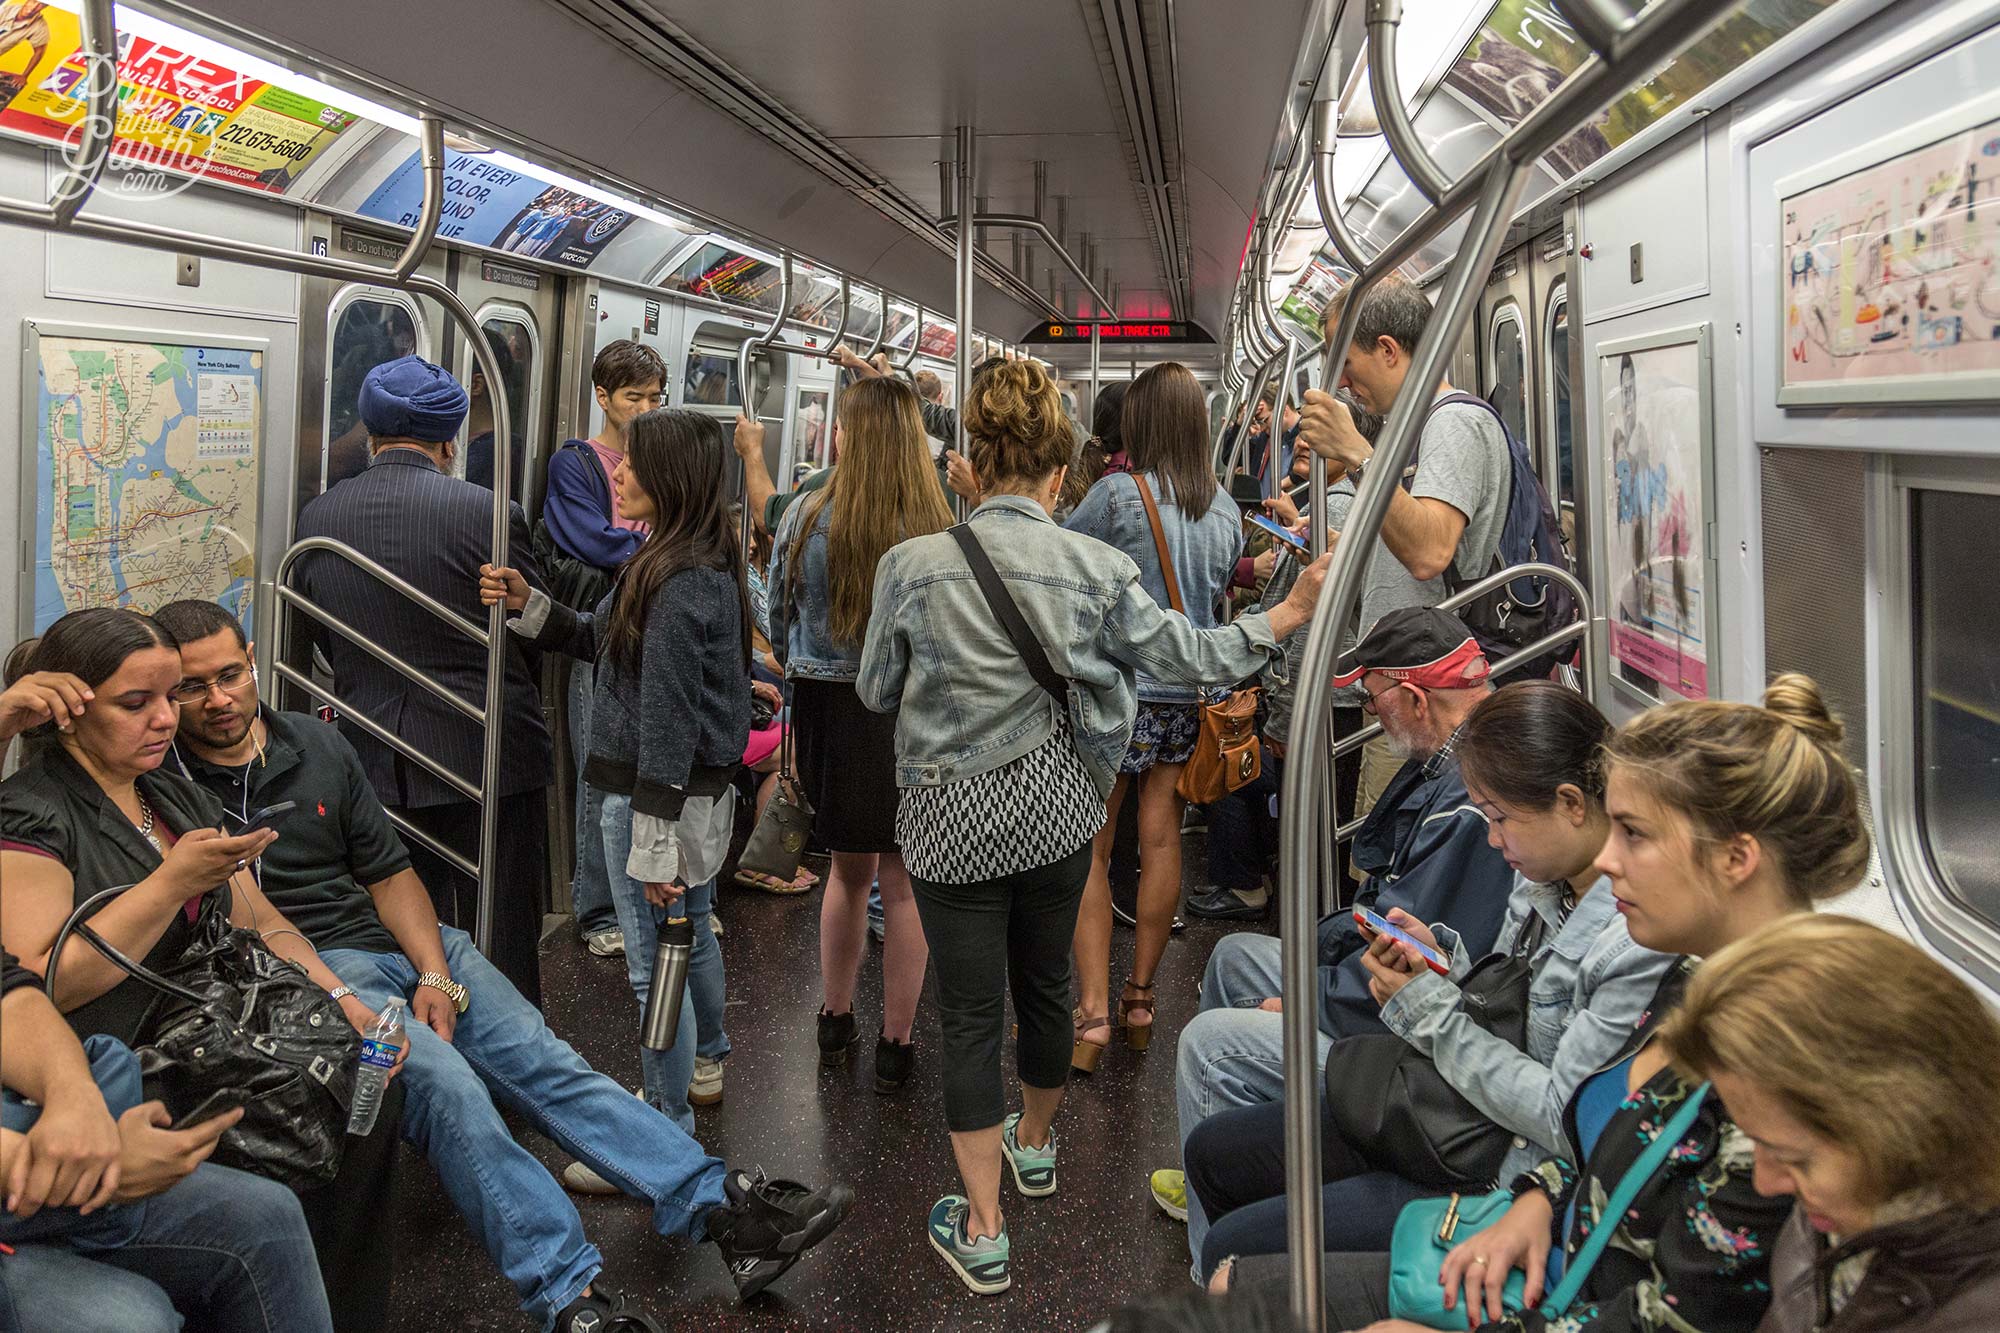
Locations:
(1095, 1245)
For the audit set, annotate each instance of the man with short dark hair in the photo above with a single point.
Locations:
(344, 879)
(409, 514)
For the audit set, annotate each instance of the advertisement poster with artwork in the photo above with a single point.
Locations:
(1526, 48)
(1891, 290)
(486, 203)
(812, 442)
(1657, 589)
(938, 340)
(177, 113)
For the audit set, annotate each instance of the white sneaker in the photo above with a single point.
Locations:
(606, 943)
(715, 925)
(580, 1179)
(706, 1089)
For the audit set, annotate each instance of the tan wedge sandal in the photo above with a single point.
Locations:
(1135, 997)
(1083, 1057)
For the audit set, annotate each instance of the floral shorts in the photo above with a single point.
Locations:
(1163, 734)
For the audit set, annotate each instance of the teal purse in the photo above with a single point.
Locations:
(1428, 1230)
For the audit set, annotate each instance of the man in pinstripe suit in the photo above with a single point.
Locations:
(408, 513)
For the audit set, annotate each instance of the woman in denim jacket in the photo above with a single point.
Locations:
(1003, 783)
(826, 550)
(1166, 434)
(1530, 756)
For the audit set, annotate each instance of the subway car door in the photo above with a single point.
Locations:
(517, 309)
(1562, 460)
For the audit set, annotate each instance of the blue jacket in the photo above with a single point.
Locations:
(1424, 849)
(1204, 552)
(967, 704)
(799, 602)
(577, 509)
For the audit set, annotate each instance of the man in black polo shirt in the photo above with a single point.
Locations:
(340, 874)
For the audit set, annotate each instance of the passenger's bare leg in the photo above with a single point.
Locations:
(978, 1154)
(1093, 921)
(905, 954)
(1160, 810)
(1038, 1113)
(843, 927)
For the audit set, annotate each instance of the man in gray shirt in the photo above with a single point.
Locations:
(1450, 509)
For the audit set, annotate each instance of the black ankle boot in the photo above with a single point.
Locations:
(894, 1061)
(836, 1036)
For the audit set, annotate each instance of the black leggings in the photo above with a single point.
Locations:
(987, 938)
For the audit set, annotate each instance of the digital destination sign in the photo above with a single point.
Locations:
(1127, 331)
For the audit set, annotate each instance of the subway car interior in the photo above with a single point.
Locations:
(1711, 268)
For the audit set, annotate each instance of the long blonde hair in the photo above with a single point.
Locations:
(883, 491)
(1865, 1040)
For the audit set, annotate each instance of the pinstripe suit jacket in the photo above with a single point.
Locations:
(434, 531)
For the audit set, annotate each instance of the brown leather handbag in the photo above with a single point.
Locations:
(1227, 754)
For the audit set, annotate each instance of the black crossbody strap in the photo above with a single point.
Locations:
(1009, 615)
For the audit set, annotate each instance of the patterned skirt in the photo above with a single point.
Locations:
(1164, 733)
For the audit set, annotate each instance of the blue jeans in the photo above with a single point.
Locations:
(502, 1052)
(1232, 1053)
(228, 1250)
(667, 1072)
(589, 886)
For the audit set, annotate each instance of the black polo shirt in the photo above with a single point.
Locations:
(13, 976)
(336, 842)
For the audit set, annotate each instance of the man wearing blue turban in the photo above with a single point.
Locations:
(409, 514)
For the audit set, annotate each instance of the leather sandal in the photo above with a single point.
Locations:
(1136, 997)
(1083, 1057)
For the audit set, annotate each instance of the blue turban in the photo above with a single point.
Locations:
(411, 399)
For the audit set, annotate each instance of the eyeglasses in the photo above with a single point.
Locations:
(1368, 705)
(231, 682)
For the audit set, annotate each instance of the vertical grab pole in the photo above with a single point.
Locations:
(966, 233)
(746, 374)
(1095, 370)
(833, 392)
(1500, 190)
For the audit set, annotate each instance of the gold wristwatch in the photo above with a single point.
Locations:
(457, 994)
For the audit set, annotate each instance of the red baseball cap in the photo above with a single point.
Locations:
(1420, 644)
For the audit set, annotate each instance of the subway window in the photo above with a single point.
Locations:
(1562, 480)
(1957, 675)
(368, 331)
(514, 348)
(1509, 392)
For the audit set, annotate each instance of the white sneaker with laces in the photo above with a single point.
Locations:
(606, 943)
(706, 1088)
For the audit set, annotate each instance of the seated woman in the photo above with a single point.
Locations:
(1726, 819)
(90, 810)
(1531, 759)
(1878, 1111)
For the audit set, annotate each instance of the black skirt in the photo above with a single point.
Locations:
(847, 764)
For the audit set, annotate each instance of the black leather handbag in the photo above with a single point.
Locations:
(1396, 1110)
(235, 1025)
(779, 838)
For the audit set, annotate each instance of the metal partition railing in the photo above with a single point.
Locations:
(1627, 47)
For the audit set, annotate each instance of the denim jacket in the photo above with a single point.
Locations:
(1591, 983)
(1204, 553)
(800, 603)
(967, 704)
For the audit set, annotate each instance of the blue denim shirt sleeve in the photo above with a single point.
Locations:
(1092, 515)
(1163, 645)
(885, 652)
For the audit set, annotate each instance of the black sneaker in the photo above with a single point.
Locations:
(894, 1062)
(767, 1224)
(1231, 904)
(836, 1037)
(602, 1311)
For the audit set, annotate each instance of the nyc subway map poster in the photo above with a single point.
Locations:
(145, 473)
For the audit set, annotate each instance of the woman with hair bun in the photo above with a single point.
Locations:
(1004, 766)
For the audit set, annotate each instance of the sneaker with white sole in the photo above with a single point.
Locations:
(1170, 1193)
(606, 943)
(767, 1224)
(706, 1089)
(580, 1179)
(1034, 1168)
(980, 1262)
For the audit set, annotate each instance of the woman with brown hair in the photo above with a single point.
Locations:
(1007, 650)
(1184, 534)
(883, 490)
(1867, 1079)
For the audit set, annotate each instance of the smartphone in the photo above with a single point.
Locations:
(1375, 924)
(1279, 531)
(267, 817)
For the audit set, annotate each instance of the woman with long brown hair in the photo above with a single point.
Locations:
(1165, 433)
(884, 490)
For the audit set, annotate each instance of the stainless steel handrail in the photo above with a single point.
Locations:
(881, 325)
(915, 339)
(287, 672)
(1385, 81)
(963, 200)
(1326, 134)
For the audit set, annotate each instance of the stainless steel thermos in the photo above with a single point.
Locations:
(670, 970)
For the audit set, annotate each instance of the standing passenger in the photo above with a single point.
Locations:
(1002, 789)
(581, 543)
(1165, 423)
(822, 591)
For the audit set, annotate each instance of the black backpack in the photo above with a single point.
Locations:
(1518, 612)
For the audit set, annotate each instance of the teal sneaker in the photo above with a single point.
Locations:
(1034, 1168)
(980, 1264)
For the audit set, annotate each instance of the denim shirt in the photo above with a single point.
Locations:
(800, 602)
(1590, 985)
(1204, 552)
(965, 703)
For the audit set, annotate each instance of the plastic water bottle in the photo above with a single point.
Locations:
(379, 1046)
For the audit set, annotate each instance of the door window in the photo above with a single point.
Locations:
(514, 347)
(368, 330)
(1561, 478)
(1509, 362)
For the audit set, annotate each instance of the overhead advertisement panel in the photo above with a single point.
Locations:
(1527, 47)
(177, 112)
(486, 203)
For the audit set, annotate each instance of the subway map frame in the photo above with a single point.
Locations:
(142, 472)
(1889, 267)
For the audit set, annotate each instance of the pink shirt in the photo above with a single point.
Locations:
(609, 459)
